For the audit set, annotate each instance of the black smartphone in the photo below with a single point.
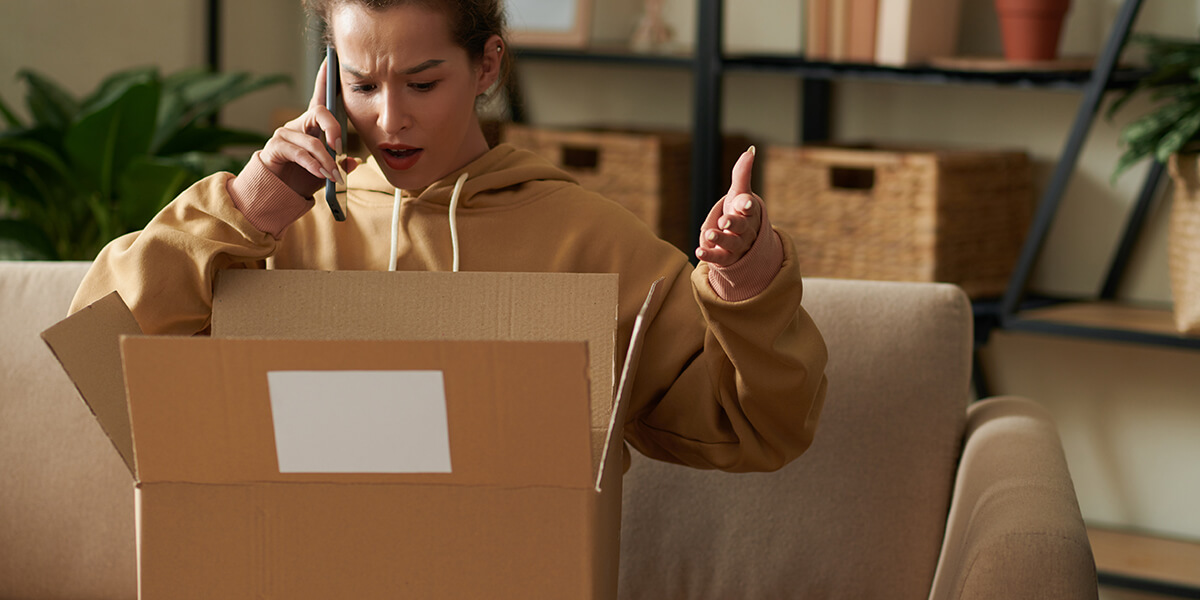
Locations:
(333, 101)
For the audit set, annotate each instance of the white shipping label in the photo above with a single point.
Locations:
(360, 421)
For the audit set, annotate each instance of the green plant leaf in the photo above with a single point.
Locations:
(48, 102)
(9, 116)
(22, 148)
(205, 163)
(104, 141)
(1153, 125)
(210, 139)
(1180, 133)
(207, 96)
(145, 187)
(192, 96)
(24, 240)
(115, 84)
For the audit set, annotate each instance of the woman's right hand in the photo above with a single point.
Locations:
(296, 153)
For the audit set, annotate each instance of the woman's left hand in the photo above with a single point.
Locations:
(733, 223)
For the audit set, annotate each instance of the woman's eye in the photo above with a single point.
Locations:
(362, 88)
(423, 86)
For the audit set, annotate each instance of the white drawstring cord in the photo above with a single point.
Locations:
(395, 232)
(453, 224)
(454, 217)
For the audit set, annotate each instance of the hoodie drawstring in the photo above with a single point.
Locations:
(454, 218)
(395, 231)
(453, 224)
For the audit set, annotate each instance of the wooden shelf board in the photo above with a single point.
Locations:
(1107, 315)
(1146, 557)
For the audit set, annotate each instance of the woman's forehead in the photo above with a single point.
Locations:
(356, 27)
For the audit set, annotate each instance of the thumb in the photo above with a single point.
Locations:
(740, 182)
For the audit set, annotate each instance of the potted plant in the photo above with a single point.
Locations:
(79, 173)
(1030, 29)
(1170, 134)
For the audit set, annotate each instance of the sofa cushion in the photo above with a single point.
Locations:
(66, 498)
(863, 512)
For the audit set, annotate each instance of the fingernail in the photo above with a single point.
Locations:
(327, 175)
(340, 178)
(748, 205)
(337, 146)
(711, 236)
(752, 151)
(724, 224)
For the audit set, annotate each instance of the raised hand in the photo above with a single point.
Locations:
(296, 153)
(733, 223)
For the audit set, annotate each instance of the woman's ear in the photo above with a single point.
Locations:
(490, 64)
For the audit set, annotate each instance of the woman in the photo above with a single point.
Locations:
(732, 372)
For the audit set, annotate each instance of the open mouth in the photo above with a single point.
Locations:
(405, 153)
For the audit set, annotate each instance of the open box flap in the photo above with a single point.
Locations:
(614, 447)
(423, 305)
(515, 412)
(86, 344)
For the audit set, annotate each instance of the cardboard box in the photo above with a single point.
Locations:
(461, 462)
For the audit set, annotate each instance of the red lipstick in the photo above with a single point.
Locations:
(400, 157)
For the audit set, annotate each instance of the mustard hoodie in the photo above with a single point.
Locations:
(736, 386)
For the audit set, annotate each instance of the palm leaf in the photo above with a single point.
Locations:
(1180, 133)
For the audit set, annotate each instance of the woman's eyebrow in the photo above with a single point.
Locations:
(429, 64)
(425, 66)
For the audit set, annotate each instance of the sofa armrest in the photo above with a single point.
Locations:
(1014, 529)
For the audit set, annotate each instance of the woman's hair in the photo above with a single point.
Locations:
(472, 22)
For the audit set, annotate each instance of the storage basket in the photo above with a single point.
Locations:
(647, 172)
(903, 215)
(1183, 242)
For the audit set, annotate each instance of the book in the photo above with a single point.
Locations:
(911, 32)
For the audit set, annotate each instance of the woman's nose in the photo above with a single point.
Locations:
(394, 115)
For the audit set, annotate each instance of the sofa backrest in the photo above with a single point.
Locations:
(66, 498)
(862, 513)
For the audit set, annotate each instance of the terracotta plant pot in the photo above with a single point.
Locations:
(1031, 28)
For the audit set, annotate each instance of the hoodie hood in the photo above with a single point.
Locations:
(501, 168)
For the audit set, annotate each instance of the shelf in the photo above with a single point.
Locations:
(1073, 78)
(1131, 560)
(614, 56)
(1111, 321)
(1072, 75)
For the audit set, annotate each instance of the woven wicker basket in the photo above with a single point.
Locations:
(1183, 242)
(903, 215)
(647, 172)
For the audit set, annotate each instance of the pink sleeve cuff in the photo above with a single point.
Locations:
(754, 271)
(266, 201)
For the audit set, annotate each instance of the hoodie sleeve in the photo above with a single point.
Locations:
(165, 272)
(736, 386)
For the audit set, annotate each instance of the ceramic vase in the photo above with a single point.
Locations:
(1031, 28)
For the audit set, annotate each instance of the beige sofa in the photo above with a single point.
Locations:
(907, 492)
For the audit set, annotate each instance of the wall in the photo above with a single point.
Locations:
(1128, 414)
(79, 42)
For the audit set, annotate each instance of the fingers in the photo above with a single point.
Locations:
(318, 97)
(730, 230)
(733, 223)
(289, 146)
(742, 170)
(301, 159)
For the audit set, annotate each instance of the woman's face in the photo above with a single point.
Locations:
(410, 90)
